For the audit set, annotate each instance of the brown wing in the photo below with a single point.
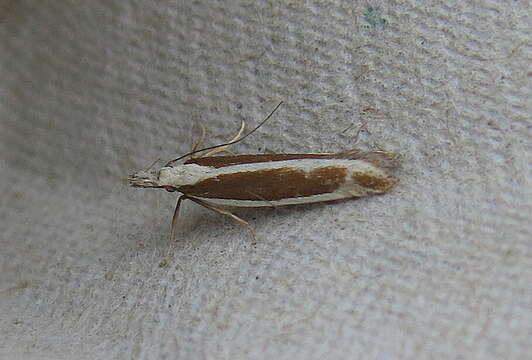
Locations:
(379, 158)
(268, 185)
(222, 161)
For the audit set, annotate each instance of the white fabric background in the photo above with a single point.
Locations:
(439, 268)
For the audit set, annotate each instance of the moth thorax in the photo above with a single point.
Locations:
(180, 175)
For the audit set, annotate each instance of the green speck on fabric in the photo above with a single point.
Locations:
(374, 17)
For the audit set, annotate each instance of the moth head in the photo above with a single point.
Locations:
(144, 179)
(169, 177)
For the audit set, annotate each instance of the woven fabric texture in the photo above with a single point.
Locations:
(439, 268)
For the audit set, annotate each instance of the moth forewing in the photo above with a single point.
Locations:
(286, 182)
(274, 180)
(270, 180)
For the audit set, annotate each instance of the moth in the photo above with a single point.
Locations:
(269, 180)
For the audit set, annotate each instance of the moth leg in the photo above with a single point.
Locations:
(224, 148)
(224, 212)
(199, 142)
(363, 127)
(176, 216)
(263, 199)
(228, 151)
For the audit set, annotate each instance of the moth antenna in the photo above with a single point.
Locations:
(152, 165)
(230, 142)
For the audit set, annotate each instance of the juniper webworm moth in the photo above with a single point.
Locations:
(269, 180)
